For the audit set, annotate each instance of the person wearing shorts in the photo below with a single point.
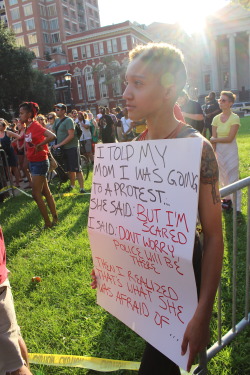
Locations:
(64, 128)
(37, 138)
(13, 352)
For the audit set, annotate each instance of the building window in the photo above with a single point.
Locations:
(46, 38)
(28, 11)
(124, 43)
(96, 49)
(89, 83)
(114, 45)
(79, 87)
(52, 10)
(54, 24)
(15, 14)
(72, 2)
(42, 10)
(75, 53)
(65, 11)
(32, 38)
(55, 38)
(67, 25)
(102, 86)
(12, 2)
(17, 27)
(83, 52)
(101, 49)
(109, 46)
(88, 51)
(35, 50)
(20, 41)
(116, 80)
(73, 15)
(45, 25)
(74, 27)
(30, 24)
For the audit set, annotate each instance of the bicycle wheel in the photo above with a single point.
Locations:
(85, 167)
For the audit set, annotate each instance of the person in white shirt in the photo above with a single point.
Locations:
(127, 127)
(86, 137)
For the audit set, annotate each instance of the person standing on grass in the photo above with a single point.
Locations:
(225, 127)
(13, 351)
(5, 141)
(37, 138)
(211, 109)
(64, 128)
(155, 76)
(191, 111)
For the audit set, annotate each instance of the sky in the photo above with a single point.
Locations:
(189, 13)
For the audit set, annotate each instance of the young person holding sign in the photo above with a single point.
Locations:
(155, 77)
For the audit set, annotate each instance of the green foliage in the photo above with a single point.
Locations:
(18, 81)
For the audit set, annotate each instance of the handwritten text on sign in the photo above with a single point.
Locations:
(142, 220)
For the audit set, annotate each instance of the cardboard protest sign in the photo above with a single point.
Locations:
(142, 221)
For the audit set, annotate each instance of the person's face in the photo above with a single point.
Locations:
(51, 119)
(144, 94)
(74, 114)
(224, 102)
(80, 117)
(1, 126)
(19, 125)
(60, 112)
(41, 120)
(24, 115)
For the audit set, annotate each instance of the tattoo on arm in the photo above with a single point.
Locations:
(209, 170)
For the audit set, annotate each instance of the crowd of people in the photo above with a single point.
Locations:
(155, 109)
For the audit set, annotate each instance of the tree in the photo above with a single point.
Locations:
(18, 80)
(112, 73)
(42, 91)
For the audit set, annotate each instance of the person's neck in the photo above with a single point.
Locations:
(227, 112)
(29, 123)
(62, 116)
(159, 127)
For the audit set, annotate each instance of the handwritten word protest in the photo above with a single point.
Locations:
(142, 219)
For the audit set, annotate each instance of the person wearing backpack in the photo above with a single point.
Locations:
(68, 142)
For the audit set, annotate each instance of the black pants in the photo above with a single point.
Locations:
(154, 362)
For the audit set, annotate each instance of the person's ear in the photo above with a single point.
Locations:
(170, 92)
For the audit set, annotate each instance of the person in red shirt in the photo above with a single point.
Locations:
(36, 142)
(13, 351)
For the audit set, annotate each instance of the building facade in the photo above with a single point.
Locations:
(43, 25)
(97, 60)
(224, 53)
(3, 17)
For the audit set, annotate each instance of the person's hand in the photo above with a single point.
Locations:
(196, 337)
(55, 147)
(94, 279)
(38, 148)
(213, 140)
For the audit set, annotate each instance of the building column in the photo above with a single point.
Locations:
(215, 76)
(232, 57)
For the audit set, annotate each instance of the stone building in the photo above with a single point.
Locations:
(224, 53)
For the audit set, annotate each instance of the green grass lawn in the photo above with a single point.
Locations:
(59, 315)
